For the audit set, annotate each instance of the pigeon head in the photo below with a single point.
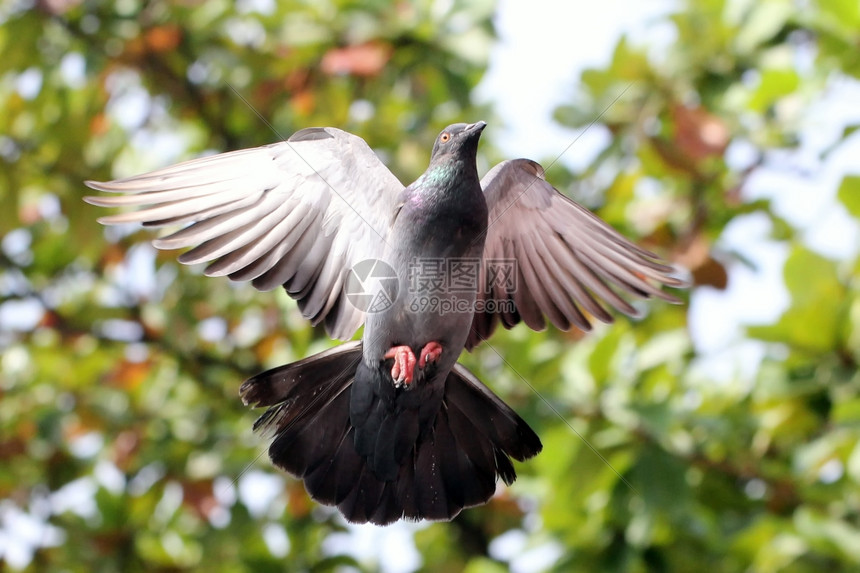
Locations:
(457, 142)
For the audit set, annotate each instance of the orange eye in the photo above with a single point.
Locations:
(445, 137)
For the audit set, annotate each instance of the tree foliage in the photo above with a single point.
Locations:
(123, 445)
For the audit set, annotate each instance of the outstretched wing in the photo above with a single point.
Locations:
(299, 213)
(545, 255)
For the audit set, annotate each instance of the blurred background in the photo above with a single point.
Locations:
(718, 435)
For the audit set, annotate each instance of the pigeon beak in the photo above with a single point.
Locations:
(477, 126)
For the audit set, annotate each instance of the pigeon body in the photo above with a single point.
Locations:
(442, 217)
(392, 426)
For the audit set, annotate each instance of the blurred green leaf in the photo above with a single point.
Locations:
(812, 321)
(849, 194)
(773, 85)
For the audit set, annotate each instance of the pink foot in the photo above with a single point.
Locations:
(430, 353)
(404, 364)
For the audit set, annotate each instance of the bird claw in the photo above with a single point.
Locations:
(403, 369)
(399, 377)
(430, 353)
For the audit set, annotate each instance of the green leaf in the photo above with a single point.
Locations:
(762, 23)
(832, 536)
(484, 565)
(811, 323)
(774, 84)
(844, 14)
(849, 194)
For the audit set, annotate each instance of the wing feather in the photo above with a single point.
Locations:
(567, 260)
(299, 213)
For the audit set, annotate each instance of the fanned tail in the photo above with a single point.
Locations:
(454, 463)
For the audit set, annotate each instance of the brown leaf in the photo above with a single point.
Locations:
(575, 334)
(364, 60)
(99, 124)
(696, 256)
(50, 319)
(297, 499)
(699, 133)
(163, 38)
(199, 497)
(112, 255)
(303, 102)
(266, 346)
(129, 375)
(505, 504)
(133, 50)
(673, 155)
(125, 448)
(29, 213)
(12, 448)
(297, 80)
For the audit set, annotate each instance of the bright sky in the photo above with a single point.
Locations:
(543, 47)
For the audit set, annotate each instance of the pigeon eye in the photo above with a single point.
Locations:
(445, 137)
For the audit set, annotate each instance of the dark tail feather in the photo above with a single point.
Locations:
(490, 416)
(307, 377)
(454, 464)
(306, 399)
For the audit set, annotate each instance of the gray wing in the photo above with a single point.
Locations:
(545, 255)
(299, 213)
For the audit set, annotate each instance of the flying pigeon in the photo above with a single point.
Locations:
(391, 426)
